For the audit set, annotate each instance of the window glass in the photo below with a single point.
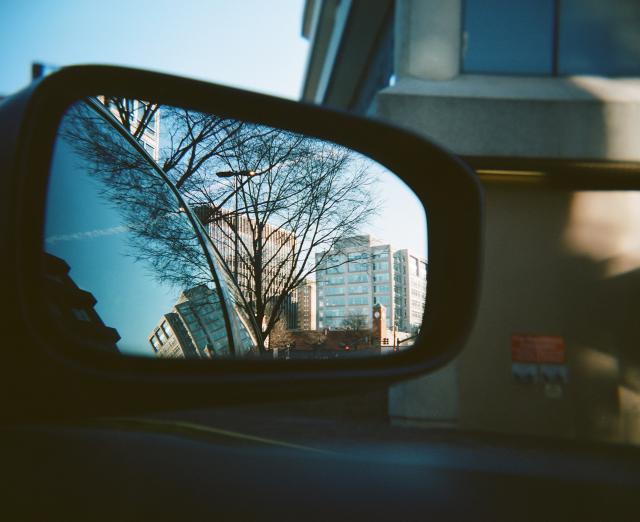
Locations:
(507, 36)
(359, 300)
(166, 329)
(599, 37)
(335, 301)
(380, 267)
(358, 267)
(80, 314)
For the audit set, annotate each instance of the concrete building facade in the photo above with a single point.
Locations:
(362, 272)
(529, 93)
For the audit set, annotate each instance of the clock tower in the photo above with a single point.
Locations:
(379, 324)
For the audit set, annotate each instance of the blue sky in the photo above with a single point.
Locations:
(251, 44)
(254, 44)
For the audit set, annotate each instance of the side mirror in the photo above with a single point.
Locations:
(161, 230)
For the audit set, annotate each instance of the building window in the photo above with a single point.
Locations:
(166, 329)
(358, 267)
(80, 314)
(149, 148)
(381, 267)
(359, 300)
(503, 36)
(160, 335)
(381, 299)
(599, 37)
(551, 37)
(154, 344)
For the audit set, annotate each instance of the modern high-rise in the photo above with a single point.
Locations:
(305, 303)
(360, 273)
(195, 328)
(238, 254)
(410, 289)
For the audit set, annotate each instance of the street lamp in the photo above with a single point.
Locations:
(235, 175)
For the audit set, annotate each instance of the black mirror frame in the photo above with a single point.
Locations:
(447, 187)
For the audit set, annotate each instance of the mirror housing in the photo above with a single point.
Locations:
(40, 361)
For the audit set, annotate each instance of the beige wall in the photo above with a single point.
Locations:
(557, 263)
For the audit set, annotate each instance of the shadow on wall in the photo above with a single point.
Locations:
(603, 229)
(558, 261)
(565, 264)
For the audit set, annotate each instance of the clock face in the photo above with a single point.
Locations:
(376, 315)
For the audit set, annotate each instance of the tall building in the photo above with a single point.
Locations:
(74, 308)
(170, 338)
(360, 273)
(137, 112)
(410, 289)
(305, 302)
(195, 328)
(277, 252)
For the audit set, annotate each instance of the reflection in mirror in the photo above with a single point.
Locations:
(174, 233)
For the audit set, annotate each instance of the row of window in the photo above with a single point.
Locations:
(354, 289)
(357, 266)
(344, 312)
(552, 37)
(160, 336)
(354, 300)
(353, 278)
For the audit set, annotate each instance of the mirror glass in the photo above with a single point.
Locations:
(178, 234)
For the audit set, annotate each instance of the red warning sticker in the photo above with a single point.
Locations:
(548, 349)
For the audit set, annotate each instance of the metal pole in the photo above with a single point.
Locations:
(235, 246)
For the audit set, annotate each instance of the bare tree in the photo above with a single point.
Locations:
(289, 219)
(159, 232)
(280, 336)
(133, 115)
(305, 198)
(355, 323)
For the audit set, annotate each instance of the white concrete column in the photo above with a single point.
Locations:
(428, 38)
